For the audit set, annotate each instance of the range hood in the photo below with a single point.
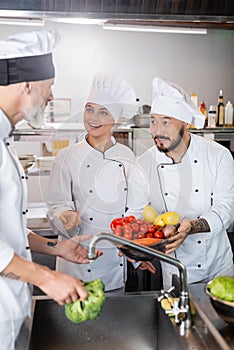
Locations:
(193, 13)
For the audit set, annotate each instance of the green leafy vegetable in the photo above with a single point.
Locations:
(223, 287)
(89, 309)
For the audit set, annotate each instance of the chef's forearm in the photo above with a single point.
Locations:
(26, 271)
(39, 244)
(199, 225)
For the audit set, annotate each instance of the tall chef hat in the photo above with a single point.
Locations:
(27, 57)
(171, 100)
(114, 93)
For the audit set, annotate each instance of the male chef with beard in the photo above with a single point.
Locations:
(26, 76)
(191, 175)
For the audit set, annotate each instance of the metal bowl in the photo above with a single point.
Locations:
(225, 309)
(142, 120)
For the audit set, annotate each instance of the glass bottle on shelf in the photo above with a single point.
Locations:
(228, 115)
(212, 116)
(220, 110)
(194, 98)
(202, 109)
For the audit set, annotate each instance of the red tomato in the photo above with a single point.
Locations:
(149, 235)
(116, 222)
(127, 233)
(141, 235)
(118, 231)
(129, 219)
(157, 227)
(151, 228)
(139, 221)
(158, 234)
(134, 227)
(144, 228)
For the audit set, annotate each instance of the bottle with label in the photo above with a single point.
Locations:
(194, 98)
(212, 116)
(228, 115)
(202, 109)
(220, 110)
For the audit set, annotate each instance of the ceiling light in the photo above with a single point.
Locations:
(22, 21)
(154, 29)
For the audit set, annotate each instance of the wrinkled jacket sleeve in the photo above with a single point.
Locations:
(220, 215)
(6, 255)
(59, 196)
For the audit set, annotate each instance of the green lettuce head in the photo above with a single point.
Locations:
(223, 287)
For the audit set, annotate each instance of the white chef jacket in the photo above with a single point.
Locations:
(95, 185)
(15, 297)
(201, 185)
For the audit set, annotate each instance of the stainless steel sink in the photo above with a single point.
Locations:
(131, 322)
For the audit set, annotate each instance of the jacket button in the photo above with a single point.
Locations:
(199, 242)
(26, 177)
(120, 165)
(22, 177)
(23, 212)
(199, 265)
(195, 161)
(121, 264)
(125, 189)
(162, 166)
(88, 166)
(196, 190)
(166, 194)
(89, 270)
(90, 191)
(7, 144)
(91, 219)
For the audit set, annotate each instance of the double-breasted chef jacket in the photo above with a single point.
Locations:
(15, 296)
(95, 185)
(201, 185)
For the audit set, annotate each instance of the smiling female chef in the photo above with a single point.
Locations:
(191, 175)
(88, 183)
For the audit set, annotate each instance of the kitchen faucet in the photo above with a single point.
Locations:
(183, 309)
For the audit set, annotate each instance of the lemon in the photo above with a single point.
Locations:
(149, 214)
(171, 218)
(159, 221)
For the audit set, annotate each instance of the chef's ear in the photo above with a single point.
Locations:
(28, 87)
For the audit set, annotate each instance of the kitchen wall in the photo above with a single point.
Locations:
(200, 63)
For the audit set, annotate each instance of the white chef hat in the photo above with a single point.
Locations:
(114, 93)
(27, 57)
(171, 100)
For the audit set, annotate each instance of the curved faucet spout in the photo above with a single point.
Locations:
(120, 241)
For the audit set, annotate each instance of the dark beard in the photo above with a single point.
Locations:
(174, 143)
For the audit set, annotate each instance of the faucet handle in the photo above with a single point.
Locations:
(177, 311)
(166, 293)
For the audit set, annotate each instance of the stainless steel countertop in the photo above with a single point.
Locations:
(197, 292)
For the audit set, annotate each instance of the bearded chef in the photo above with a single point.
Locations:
(26, 76)
(89, 181)
(191, 175)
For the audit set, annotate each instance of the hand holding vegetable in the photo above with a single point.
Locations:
(89, 309)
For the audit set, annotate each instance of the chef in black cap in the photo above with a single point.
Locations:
(26, 76)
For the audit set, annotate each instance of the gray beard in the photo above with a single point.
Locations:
(35, 117)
